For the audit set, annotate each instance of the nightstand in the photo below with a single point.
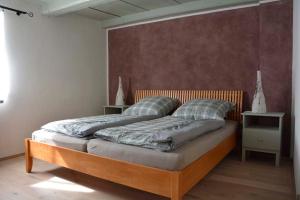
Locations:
(114, 109)
(262, 132)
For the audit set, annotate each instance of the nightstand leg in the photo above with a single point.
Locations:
(277, 159)
(243, 155)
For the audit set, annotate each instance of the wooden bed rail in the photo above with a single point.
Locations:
(145, 178)
(172, 184)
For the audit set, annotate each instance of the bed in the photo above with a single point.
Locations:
(170, 181)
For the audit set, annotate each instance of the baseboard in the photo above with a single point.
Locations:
(13, 156)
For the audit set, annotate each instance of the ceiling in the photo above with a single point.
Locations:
(118, 12)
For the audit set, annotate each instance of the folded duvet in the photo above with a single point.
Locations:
(83, 127)
(163, 134)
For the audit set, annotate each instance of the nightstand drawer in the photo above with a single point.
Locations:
(261, 139)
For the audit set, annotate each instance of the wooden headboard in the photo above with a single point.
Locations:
(235, 96)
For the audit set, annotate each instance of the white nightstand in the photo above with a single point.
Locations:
(262, 137)
(113, 109)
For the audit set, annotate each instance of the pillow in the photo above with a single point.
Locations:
(155, 105)
(198, 109)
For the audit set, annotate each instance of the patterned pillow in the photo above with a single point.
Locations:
(204, 109)
(155, 105)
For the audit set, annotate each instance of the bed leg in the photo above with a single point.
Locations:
(28, 158)
(176, 186)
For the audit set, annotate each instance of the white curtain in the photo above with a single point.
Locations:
(4, 69)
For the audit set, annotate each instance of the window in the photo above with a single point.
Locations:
(4, 71)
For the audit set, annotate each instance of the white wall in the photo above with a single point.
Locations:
(296, 81)
(57, 67)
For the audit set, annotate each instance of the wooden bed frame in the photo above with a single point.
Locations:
(172, 184)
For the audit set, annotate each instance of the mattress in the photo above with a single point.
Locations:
(58, 139)
(163, 134)
(175, 160)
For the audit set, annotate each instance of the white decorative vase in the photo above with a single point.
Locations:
(259, 101)
(120, 94)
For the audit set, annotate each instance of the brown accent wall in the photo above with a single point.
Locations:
(212, 51)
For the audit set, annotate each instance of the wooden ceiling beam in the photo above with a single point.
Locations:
(181, 9)
(60, 7)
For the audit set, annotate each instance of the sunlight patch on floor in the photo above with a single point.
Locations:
(57, 183)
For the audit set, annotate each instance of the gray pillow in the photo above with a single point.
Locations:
(154, 105)
(198, 109)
